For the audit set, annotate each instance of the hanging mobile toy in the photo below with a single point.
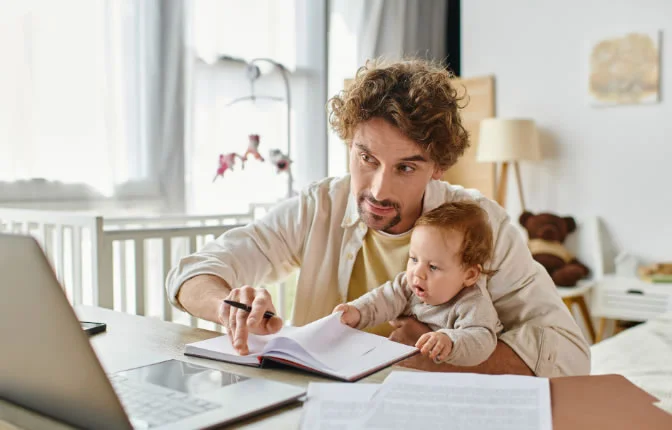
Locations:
(280, 160)
(226, 162)
(253, 148)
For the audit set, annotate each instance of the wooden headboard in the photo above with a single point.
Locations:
(480, 105)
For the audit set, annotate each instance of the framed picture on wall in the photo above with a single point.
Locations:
(624, 68)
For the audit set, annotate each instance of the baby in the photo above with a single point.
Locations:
(449, 248)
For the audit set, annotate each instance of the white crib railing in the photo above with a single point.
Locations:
(122, 263)
(151, 248)
(73, 244)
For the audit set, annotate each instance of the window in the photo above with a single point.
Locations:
(67, 111)
(86, 103)
(246, 29)
(288, 33)
(343, 65)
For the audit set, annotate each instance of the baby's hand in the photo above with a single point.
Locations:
(435, 345)
(351, 315)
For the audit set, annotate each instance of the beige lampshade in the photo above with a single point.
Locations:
(503, 140)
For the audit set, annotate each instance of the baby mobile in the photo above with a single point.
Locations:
(277, 158)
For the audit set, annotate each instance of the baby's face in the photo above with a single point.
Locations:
(434, 271)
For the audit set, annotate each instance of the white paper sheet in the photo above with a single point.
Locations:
(459, 401)
(335, 406)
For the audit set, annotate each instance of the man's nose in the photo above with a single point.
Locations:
(382, 185)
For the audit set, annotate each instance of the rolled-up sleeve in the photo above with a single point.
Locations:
(264, 251)
(384, 303)
(474, 332)
(537, 324)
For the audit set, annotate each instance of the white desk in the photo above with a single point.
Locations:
(642, 354)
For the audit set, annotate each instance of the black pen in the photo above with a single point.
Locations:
(267, 314)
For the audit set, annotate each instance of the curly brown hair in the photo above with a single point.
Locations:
(416, 96)
(472, 221)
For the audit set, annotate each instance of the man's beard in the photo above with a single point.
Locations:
(372, 219)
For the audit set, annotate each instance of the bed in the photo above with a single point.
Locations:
(643, 354)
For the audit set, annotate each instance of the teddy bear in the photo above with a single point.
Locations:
(547, 233)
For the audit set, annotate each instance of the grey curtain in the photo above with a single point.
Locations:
(164, 85)
(396, 28)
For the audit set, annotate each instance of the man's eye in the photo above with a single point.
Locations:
(406, 169)
(366, 158)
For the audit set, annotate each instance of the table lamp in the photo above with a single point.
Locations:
(507, 141)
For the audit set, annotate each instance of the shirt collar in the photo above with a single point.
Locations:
(351, 216)
(433, 198)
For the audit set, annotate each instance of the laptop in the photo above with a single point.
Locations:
(48, 366)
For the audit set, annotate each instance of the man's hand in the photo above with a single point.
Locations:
(407, 330)
(240, 322)
(351, 314)
(435, 345)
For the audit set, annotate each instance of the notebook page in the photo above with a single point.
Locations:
(331, 406)
(460, 401)
(220, 347)
(385, 352)
(331, 342)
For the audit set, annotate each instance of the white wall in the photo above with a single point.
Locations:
(612, 162)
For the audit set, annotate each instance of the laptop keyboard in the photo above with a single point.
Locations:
(149, 405)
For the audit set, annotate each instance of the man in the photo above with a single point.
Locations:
(349, 235)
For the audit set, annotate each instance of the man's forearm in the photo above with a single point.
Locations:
(502, 361)
(201, 295)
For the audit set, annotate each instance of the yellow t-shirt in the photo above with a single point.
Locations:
(380, 259)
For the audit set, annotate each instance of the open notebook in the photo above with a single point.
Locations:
(326, 347)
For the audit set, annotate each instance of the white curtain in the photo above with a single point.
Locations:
(246, 29)
(57, 119)
(64, 111)
(92, 103)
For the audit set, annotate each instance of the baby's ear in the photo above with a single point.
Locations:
(471, 275)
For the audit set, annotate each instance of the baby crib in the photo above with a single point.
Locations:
(122, 263)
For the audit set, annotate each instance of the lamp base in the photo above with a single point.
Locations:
(502, 183)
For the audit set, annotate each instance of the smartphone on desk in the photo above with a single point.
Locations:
(92, 328)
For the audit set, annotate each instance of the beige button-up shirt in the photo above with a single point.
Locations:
(320, 232)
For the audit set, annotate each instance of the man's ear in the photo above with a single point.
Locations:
(438, 173)
(471, 276)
